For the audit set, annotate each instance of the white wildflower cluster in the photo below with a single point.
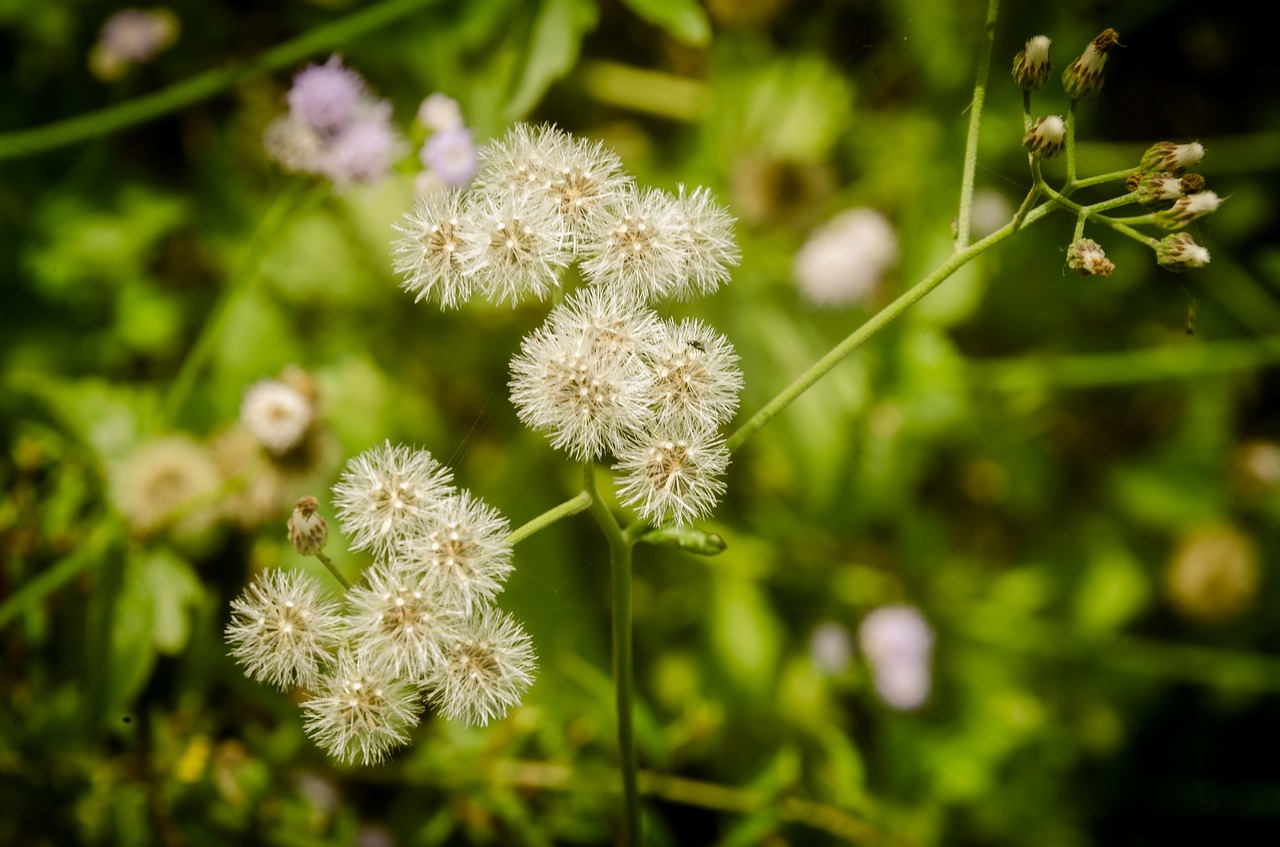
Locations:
(606, 375)
(418, 628)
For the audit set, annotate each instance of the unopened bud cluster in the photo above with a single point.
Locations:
(605, 375)
(419, 628)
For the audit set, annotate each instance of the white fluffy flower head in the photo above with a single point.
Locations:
(433, 238)
(276, 414)
(402, 619)
(673, 476)
(282, 629)
(586, 394)
(710, 248)
(843, 261)
(486, 671)
(519, 248)
(462, 552)
(386, 493)
(696, 377)
(363, 710)
(643, 246)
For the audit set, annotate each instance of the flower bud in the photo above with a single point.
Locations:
(1046, 138)
(1188, 209)
(1179, 252)
(1192, 183)
(1174, 158)
(1085, 256)
(308, 532)
(1031, 66)
(1083, 77)
(1158, 190)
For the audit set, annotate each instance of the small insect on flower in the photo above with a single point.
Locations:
(283, 629)
(1192, 307)
(696, 380)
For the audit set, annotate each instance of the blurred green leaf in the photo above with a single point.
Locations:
(175, 591)
(553, 49)
(684, 20)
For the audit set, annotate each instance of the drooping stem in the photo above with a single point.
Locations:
(859, 336)
(975, 124)
(26, 142)
(246, 271)
(620, 557)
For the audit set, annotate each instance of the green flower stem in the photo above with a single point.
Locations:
(620, 555)
(1118, 224)
(569, 507)
(285, 203)
(1032, 196)
(1114, 176)
(1137, 220)
(1097, 370)
(1026, 111)
(333, 569)
(179, 95)
(1070, 184)
(859, 336)
(975, 123)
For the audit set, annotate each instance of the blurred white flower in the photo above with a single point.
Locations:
(898, 643)
(844, 260)
(831, 648)
(276, 414)
(440, 113)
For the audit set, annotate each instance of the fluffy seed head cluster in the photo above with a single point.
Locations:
(334, 128)
(419, 625)
(898, 644)
(674, 475)
(543, 199)
(844, 260)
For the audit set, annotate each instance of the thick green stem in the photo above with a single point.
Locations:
(179, 95)
(285, 203)
(975, 124)
(859, 336)
(578, 504)
(620, 556)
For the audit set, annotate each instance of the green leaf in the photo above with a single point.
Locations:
(690, 540)
(683, 20)
(175, 590)
(553, 49)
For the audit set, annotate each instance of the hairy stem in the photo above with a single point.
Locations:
(1070, 184)
(859, 336)
(620, 557)
(26, 142)
(975, 124)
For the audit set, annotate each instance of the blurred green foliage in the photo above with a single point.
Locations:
(1029, 457)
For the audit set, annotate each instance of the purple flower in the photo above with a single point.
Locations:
(452, 155)
(363, 152)
(327, 96)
